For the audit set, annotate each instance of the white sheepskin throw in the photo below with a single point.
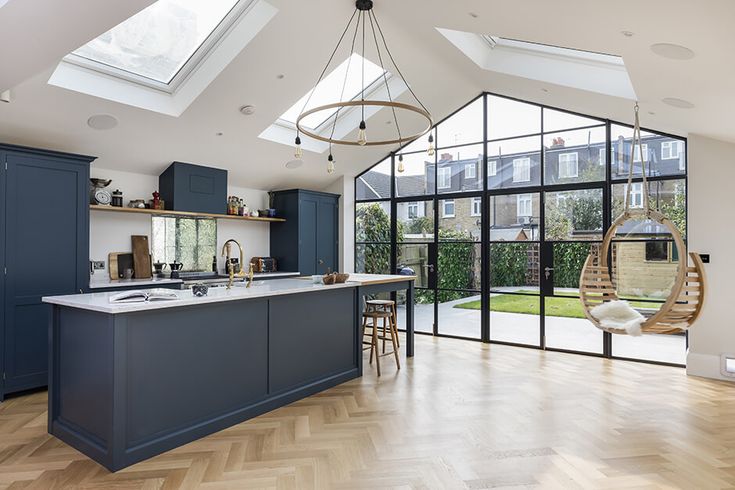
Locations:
(619, 315)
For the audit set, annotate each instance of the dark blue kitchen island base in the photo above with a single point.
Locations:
(129, 386)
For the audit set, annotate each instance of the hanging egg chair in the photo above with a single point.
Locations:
(599, 280)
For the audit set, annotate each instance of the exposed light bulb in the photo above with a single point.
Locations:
(430, 149)
(401, 168)
(361, 136)
(299, 152)
(330, 164)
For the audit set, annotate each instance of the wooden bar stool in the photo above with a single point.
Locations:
(371, 329)
(389, 306)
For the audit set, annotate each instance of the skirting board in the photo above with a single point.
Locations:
(706, 366)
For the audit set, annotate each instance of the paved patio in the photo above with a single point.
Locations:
(562, 333)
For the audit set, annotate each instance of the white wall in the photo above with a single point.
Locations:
(110, 232)
(345, 187)
(711, 177)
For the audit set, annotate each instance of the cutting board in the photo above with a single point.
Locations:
(118, 262)
(141, 257)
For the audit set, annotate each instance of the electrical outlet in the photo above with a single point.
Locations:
(705, 258)
(98, 265)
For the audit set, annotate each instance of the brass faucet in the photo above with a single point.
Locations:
(228, 266)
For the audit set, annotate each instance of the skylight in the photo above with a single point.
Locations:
(157, 42)
(348, 74)
(576, 68)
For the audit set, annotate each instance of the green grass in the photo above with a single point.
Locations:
(567, 307)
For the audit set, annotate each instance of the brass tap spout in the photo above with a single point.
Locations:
(228, 266)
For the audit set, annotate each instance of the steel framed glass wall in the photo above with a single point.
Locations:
(497, 223)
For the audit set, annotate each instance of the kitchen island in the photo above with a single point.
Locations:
(132, 380)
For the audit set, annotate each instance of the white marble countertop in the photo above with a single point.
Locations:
(275, 287)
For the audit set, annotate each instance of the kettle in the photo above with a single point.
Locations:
(175, 268)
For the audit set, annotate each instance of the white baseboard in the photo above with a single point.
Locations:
(705, 365)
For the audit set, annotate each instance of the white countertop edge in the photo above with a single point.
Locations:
(99, 302)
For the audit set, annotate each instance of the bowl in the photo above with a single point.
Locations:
(200, 290)
(329, 279)
(340, 278)
(263, 213)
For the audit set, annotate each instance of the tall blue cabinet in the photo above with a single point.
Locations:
(308, 241)
(44, 226)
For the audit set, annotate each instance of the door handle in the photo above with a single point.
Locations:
(548, 271)
(321, 262)
(430, 267)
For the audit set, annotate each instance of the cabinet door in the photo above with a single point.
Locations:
(326, 238)
(46, 253)
(308, 235)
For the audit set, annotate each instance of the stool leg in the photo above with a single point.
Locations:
(394, 323)
(384, 335)
(394, 341)
(375, 343)
(365, 326)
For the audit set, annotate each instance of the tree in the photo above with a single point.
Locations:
(373, 234)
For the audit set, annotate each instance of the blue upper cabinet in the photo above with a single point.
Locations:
(308, 241)
(44, 223)
(194, 188)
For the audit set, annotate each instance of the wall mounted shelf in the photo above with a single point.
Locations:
(160, 212)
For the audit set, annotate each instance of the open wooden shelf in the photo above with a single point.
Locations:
(161, 212)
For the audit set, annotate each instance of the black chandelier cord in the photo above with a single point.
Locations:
(344, 82)
(385, 78)
(329, 62)
(362, 107)
(394, 62)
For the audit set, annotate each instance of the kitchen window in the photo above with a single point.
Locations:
(522, 169)
(670, 150)
(191, 241)
(476, 206)
(444, 176)
(568, 165)
(525, 205)
(470, 171)
(492, 168)
(637, 153)
(448, 208)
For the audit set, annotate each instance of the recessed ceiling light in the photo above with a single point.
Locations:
(102, 122)
(651, 113)
(627, 33)
(473, 15)
(672, 51)
(219, 133)
(294, 163)
(388, 122)
(247, 110)
(280, 76)
(545, 90)
(678, 103)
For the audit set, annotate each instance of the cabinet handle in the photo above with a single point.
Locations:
(321, 262)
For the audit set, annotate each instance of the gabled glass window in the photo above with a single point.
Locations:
(157, 43)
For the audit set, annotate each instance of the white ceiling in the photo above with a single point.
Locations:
(298, 41)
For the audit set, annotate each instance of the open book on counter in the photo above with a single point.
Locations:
(143, 295)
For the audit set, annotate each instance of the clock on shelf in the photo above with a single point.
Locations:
(98, 193)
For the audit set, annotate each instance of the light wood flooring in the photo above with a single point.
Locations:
(459, 415)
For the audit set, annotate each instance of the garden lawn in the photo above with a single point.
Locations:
(567, 307)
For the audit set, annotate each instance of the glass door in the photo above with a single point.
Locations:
(573, 223)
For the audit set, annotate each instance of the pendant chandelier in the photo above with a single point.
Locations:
(365, 25)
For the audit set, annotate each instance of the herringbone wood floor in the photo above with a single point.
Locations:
(459, 415)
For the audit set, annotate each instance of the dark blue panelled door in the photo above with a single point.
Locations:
(326, 239)
(46, 244)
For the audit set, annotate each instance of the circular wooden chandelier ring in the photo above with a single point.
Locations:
(357, 103)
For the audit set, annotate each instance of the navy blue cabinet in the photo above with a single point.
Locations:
(44, 224)
(194, 188)
(308, 240)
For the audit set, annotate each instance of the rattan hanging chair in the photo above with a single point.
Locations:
(596, 285)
